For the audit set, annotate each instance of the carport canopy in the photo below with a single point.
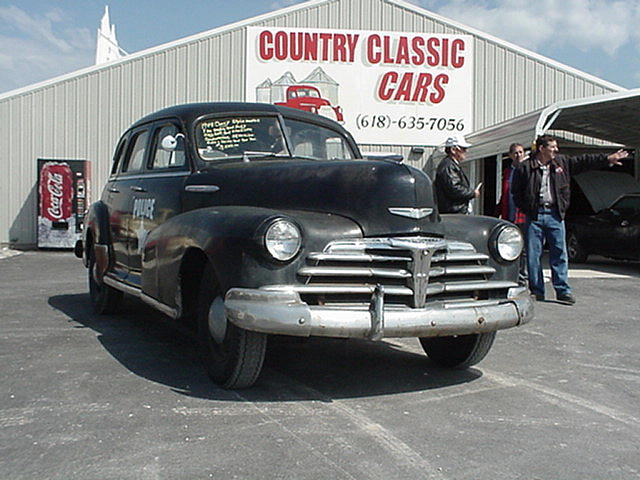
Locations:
(612, 117)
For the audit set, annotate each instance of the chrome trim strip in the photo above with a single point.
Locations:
(356, 257)
(457, 246)
(117, 284)
(436, 272)
(456, 287)
(139, 176)
(468, 269)
(459, 257)
(432, 289)
(435, 289)
(166, 309)
(337, 288)
(201, 188)
(354, 272)
(136, 292)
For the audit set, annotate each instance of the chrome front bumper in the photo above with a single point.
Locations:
(284, 313)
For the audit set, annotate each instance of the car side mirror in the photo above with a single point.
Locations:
(170, 142)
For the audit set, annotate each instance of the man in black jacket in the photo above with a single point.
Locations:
(452, 185)
(541, 189)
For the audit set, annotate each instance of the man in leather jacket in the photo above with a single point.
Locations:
(452, 185)
(541, 189)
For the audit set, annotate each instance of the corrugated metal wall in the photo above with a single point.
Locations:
(81, 117)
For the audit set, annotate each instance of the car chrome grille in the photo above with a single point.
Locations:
(412, 271)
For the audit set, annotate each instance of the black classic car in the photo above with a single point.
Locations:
(604, 219)
(245, 220)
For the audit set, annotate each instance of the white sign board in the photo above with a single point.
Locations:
(387, 88)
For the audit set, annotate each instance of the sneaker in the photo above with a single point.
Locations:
(566, 298)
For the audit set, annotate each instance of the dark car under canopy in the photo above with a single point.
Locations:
(604, 216)
(596, 190)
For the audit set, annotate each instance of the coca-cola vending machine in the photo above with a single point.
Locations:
(63, 193)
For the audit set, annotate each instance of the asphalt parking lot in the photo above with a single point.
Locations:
(124, 396)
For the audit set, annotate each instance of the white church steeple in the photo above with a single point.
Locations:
(107, 48)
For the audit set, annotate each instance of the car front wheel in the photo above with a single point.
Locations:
(232, 356)
(458, 351)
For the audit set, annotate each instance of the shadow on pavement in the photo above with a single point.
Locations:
(608, 266)
(149, 345)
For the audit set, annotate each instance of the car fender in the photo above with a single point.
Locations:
(96, 224)
(479, 230)
(230, 238)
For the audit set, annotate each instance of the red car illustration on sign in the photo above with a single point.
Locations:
(307, 98)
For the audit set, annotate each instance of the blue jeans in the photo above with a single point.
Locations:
(549, 225)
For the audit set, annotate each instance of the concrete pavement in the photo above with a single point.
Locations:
(124, 396)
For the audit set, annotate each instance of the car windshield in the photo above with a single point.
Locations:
(313, 141)
(305, 92)
(218, 138)
(222, 138)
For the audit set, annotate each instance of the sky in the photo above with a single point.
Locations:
(41, 39)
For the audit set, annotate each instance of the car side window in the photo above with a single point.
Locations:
(302, 146)
(136, 152)
(119, 154)
(167, 159)
(314, 141)
(336, 148)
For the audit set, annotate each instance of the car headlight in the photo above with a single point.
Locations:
(508, 243)
(283, 240)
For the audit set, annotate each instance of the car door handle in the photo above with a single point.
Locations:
(113, 190)
(136, 188)
(202, 188)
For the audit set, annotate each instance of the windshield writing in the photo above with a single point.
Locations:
(222, 137)
(230, 133)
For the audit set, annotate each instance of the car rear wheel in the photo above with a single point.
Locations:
(458, 351)
(575, 250)
(104, 298)
(232, 356)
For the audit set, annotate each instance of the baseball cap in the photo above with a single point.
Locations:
(456, 141)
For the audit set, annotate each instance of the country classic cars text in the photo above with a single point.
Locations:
(438, 53)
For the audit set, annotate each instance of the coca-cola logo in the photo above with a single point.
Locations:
(56, 191)
(55, 186)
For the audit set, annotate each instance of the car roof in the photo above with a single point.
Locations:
(190, 112)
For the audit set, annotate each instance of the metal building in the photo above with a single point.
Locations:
(81, 115)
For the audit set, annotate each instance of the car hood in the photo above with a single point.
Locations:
(361, 190)
(602, 188)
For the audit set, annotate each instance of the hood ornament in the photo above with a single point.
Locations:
(411, 212)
